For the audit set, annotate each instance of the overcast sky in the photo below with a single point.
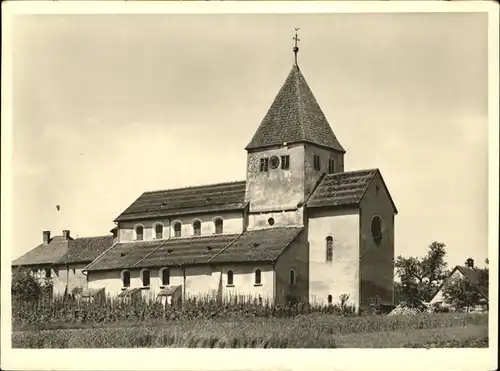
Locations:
(106, 107)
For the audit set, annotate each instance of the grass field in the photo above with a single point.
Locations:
(303, 331)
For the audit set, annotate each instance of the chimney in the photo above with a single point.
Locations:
(470, 263)
(66, 234)
(46, 237)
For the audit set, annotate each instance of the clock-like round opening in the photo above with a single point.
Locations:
(275, 162)
(270, 221)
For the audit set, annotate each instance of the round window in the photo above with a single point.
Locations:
(377, 228)
(270, 221)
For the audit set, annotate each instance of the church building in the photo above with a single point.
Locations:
(298, 227)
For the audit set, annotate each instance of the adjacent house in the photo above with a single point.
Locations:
(472, 275)
(61, 259)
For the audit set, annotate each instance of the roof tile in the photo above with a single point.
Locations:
(189, 200)
(295, 116)
(86, 249)
(341, 189)
(258, 245)
(44, 254)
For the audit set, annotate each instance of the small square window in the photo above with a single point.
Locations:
(285, 162)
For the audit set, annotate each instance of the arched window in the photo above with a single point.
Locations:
(293, 277)
(139, 232)
(177, 229)
(145, 276)
(126, 278)
(329, 249)
(219, 226)
(330, 299)
(230, 277)
(258, 278)
(165, 277)
(377, 229)
(196, 227)
(158, 231)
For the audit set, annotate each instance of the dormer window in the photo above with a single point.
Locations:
(317, 163)
(139, 233)
(158, 231)
(177, 229)
(197, 228)
(264, 164)
(219, 226)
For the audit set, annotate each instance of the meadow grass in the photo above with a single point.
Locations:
(303, 331)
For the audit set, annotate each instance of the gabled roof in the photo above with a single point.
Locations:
(86, 249)
(472, 275)
(249, 246)
(295, 116)
(343, 189)
(189, 200)
(60, 251)
(44, 254)
(263, 245)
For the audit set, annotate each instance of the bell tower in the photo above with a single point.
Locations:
(291, 149)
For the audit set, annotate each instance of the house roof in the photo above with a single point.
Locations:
(86, 249)
(44, 254)
(255, 245)
(189, 200)
(258, 245)
(59, 250)
(343, 189)
(472, 275)
(294, 116)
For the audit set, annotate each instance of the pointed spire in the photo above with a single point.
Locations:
(295, 116)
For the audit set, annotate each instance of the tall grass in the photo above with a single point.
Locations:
(111, 310)
(304, 331)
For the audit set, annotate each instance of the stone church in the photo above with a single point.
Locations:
(299, 226)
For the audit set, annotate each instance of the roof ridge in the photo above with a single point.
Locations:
(354, 171)
(87, 237)
(298, 94)
(196, 186)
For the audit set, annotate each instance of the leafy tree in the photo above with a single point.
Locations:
(460, 293)
(420, 278)
(24, 286)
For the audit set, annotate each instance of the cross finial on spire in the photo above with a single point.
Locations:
(296, 47)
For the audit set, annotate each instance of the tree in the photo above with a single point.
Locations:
(24, 286)
(421, 277)
(460, 293)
